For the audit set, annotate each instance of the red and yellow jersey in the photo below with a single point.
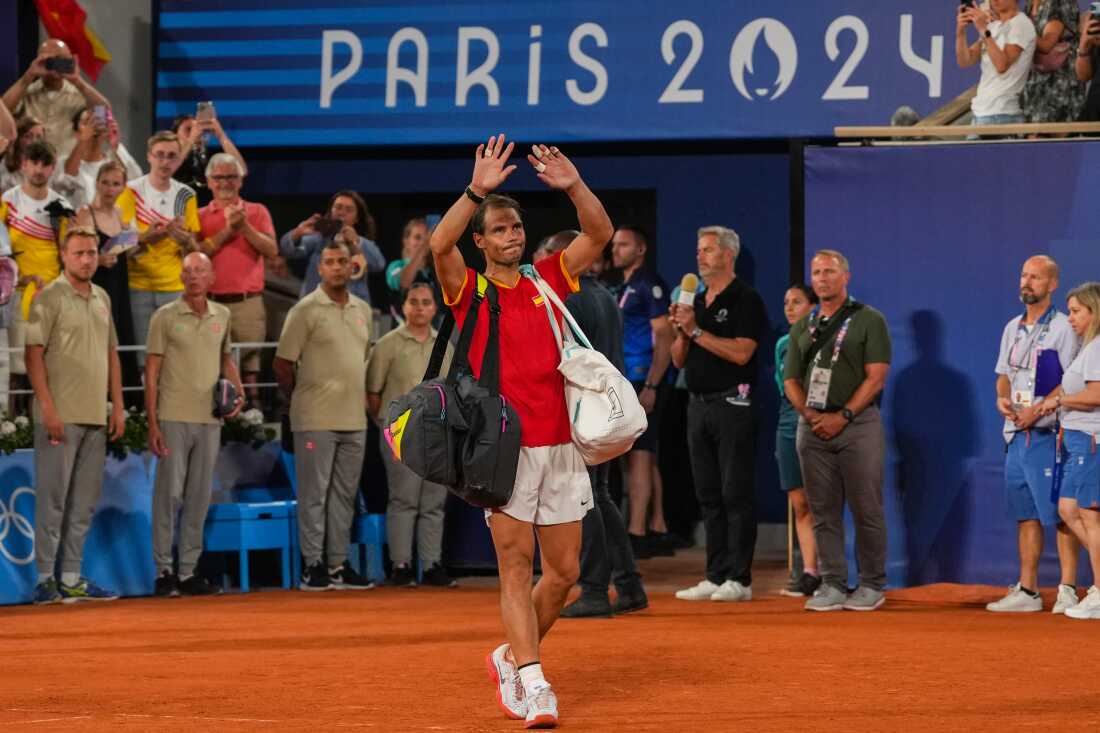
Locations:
(159, 266)
(34, 235)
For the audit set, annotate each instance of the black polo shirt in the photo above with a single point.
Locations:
(737, 312)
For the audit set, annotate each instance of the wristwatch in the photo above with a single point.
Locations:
(647, 385)
(476, 198)
(695, 333)
(847, 414)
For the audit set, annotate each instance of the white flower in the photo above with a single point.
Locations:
(7, 428)
(22, 421)
(253, 417)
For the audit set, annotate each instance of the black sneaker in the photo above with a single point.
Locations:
(315, 578)
(588, 607)
(437, 576)
(197, 586)
(403, 576)
(167, 585)
(641, 547)
(802, 586)
(345, 578)
(630, 602)
(660, 544)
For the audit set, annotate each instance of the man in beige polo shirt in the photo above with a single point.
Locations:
(327, 336)
(188, 349)
(72, 359)
(397, 364)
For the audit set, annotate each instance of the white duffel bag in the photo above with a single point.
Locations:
(604, 413)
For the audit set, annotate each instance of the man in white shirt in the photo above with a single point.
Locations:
(1005, 47)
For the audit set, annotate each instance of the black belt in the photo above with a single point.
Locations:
(711, 396)
(233, 297)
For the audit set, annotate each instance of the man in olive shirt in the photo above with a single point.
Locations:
(397, 364)
(71, 360)
(327, 334)
(835, 370)
(188, 349)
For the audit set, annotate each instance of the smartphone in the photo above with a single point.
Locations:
(60, 65)
(204, 111)
(968, 3)
(1094, 10)
(328, 227)
(99, 114)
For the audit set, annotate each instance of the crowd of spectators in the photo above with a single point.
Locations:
(1036, 61)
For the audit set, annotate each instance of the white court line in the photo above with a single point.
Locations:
(45, 720)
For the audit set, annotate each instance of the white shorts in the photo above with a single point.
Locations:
(552, 486)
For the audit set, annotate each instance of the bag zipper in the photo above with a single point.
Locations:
(442, 403)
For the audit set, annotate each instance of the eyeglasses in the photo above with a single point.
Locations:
(166, 156)
(225, 179)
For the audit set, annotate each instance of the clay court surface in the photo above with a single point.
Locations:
(413, 660)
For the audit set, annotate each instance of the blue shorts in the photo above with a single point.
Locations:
(1080, 470)
(1029, 472)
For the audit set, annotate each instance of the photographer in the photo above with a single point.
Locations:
(349, 219)
(1005, 48)
(1088, 59)
(51, 90)
(194, 131)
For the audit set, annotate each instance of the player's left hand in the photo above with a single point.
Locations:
(553, 168)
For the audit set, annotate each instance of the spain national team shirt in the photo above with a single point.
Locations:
(33, 238)
(641, 298)
(529, 356)
(159, 267)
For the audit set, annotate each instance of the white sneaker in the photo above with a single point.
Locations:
(1016, 601)
(1067, 599)
(701, 592)
(1089, 608)
(510, 696)
(731, 590)
(542, 709)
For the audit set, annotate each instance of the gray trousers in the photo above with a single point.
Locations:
(415, 505)
(847, 468)
(68, 480)
(328, 464)
(184, 480)
(143, 304)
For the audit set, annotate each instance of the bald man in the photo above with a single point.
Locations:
(53, 96)
(188, 349)
(1036, 347)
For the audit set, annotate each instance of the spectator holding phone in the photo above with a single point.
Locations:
(1052, 92)
(97, 141)
(1088, 60)
(194, 132)
(348, 218)
(1005, 47)
(51, 90)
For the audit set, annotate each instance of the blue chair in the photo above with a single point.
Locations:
(242, 528)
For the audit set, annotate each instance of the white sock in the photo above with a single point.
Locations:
(70, 579)
(43, 577)
(186, 577)
(533, 681)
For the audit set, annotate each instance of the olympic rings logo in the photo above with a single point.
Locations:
(9, 519)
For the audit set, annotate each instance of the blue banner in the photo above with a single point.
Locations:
(338, 72)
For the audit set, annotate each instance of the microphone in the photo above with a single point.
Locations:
(688, 285)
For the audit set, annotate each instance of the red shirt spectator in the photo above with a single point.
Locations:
(238, 266)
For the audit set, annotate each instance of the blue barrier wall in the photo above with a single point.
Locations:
(936, 236)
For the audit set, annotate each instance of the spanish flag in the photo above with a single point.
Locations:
(66, 21)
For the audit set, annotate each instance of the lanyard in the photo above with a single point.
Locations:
(1042, 326)
(841, 334)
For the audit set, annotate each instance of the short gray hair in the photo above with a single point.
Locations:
(834, 254)
(223, 159)
(726, 238)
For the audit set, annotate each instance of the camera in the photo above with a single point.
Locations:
(328, 227)
(59, 65)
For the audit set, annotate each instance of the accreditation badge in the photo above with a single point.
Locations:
(818, 394)
(1023, 395)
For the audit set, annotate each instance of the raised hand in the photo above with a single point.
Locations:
(553, 168)
(490, 165)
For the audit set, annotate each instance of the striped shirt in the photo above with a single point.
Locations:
(33, 236)
(158, 268)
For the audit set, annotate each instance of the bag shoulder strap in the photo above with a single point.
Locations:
(461, 354)
(823, 337)
(490, 359)
(551, 300)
